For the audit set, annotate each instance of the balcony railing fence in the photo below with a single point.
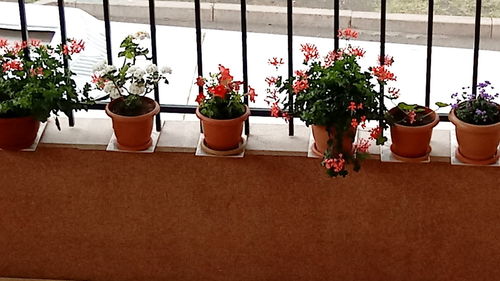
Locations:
(263, 112)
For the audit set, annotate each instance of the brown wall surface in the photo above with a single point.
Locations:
(94, 215)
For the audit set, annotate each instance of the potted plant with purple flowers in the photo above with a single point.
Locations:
(477, 124)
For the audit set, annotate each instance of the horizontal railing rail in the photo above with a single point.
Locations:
(263, 112)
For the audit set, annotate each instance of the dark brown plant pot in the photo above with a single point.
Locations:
(412, 142)
(322, 136)
(477, 144)
(18, 133)
(133, 133)
(223, 135)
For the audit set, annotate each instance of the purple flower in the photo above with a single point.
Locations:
(454, 95)
(454, 105)
(479, 112)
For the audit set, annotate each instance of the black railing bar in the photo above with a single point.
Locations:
(24, 26)
(443, 117)
(64, 39)
(290, 59)
(244, 49)
(477, 35)
(199, 50)
(428, 75)
(383, 21)
(107, 27)
(336, 23)
(154, 55)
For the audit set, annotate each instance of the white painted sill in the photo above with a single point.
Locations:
(182, 136)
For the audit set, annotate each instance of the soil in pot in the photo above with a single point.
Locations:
(18, 133)
(133, 128)
(223, 135)
(321, 137)
(477, 144)
(411, 141)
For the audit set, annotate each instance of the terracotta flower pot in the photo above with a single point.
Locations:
(413, 141)
(18, 133)
(477, 144)
(133, 133)
(321, 138)
(223, 135)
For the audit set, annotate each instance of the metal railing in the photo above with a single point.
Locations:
(262, 112)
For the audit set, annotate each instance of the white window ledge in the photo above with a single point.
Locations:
(182, 136)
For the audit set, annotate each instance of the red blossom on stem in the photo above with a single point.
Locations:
(224, 77)
(363, 122)
(200, 98)
(35, 43)
(388, 60)
(3, 43)
(275, 61)
(271, 80)
(36, 71)
(200, 81)
(310, 51)
(220, 91)
(12, 65)
(332, 56)
(375, 133)
(251, 94)
(348, 34)
(74, 47)
(383, 74)
(300, 85)
(362, 146)
(275, 110)
(358, 52)
(337, 164)
(354, 123)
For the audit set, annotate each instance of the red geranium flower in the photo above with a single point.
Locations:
(200, 98)
(348, 34)
(220, 91)
(251, 94)
(200, 81)
(3, 43)
(274, 61)
(310, 51)
(383, 74)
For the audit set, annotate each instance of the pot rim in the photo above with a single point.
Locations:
(113, 115)
(432, 124)
(244, 116)
(456, 121)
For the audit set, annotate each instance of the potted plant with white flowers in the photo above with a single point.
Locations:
(131, 111)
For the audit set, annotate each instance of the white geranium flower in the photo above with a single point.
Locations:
(152, 68)
(139, 73)
(109, 69)
(166, 69)
(136, 89)
(141, 35)
(110, 88)
(132, 69)
(99, 67)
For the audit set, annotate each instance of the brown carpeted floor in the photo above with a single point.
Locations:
(91, 215)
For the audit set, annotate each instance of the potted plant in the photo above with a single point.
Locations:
(222, 111)
(411, 128)
(33, 86)
(131, 111)
(335, 96)
(477, 125)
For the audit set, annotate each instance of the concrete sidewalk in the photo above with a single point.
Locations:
(401, 28)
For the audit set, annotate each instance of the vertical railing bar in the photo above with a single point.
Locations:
(244, 48)
(383, 20)
(152, 24)
(430, 27)
(199, 54)
(477, 36)
(64, 39)
(336, 23)
(24, 26)
(290, 60)
(107, 27)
